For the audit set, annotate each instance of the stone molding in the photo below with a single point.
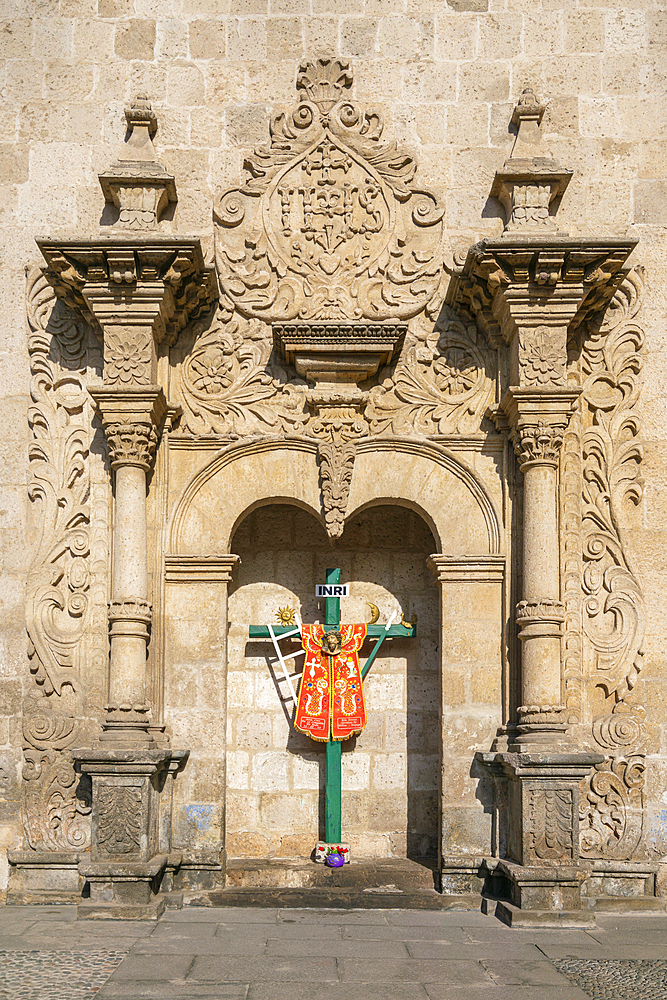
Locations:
(468, 569)
(200, 569)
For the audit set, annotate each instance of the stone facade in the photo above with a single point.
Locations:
(378, 288)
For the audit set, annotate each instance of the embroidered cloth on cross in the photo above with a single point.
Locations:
(331, 695)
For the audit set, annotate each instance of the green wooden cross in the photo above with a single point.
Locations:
(334, 748)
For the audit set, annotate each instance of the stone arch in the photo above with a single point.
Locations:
(394, 471)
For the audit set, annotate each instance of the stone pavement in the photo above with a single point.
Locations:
(298, 954)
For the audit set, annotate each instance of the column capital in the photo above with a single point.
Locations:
(132, 418)
(538, 418)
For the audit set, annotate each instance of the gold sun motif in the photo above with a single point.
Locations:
(286, 616)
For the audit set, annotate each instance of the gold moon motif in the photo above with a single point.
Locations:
(375, 612)
(409, 624)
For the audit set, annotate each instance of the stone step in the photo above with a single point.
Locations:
(331, 898)
(392, 874)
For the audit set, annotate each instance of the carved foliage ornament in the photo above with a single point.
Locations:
(60, 420)
(614, 615)
(226, 384)
(119, 818)
(56, 803)
(329, 224)
(442, 385)
(551, 823)
(612, 809)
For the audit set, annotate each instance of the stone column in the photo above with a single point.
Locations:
(132, 418)
(538, 418)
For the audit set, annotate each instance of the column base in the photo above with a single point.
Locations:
(123, 891)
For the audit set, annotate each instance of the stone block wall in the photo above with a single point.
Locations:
(445, 76)
(391, 772)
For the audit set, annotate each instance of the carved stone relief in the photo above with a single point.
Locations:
(227, 384)
(604, 453)
(63, 593)
(119, 819)
(551, 823)
(442, 384)
(329, 224)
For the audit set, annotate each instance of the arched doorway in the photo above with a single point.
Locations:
(391, 771)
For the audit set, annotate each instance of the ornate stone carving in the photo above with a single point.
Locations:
(56, 802)
(612, 809)
(128, 357)
(56, 805)
(538, 443)
(329, 224)
(131, 444)
(336, 471)
(59, 416)
(137, 184)
(119, 815)
(542, 359)
(551, 823)
(614, 616)
(442, 384)
(622, 731)
(227, 385)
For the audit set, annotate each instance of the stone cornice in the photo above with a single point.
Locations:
(124, 279)
(553, 279)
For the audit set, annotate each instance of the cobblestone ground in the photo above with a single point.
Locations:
(293, 954)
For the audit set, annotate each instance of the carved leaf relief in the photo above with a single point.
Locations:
(441, 386)
(612, 809)
(226, 384)
(60, 420)
(614, 616)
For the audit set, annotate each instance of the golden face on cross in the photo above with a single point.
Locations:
(331, 643)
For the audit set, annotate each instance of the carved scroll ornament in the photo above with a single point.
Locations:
(60, 420)
(329, 224)
(442, 384)
(614, 616)
(226, 384)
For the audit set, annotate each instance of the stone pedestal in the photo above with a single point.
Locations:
(125, 867)
(542, 868)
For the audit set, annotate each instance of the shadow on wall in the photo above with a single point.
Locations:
(391, 771)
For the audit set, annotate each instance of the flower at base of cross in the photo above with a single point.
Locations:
(286, 616)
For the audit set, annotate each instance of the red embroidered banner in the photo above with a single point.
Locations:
(331, 695)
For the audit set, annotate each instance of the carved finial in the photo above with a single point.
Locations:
(323, 82)
(140, 115)
(531, 178)
(527, 116)
(527, 108)
(137, 183)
